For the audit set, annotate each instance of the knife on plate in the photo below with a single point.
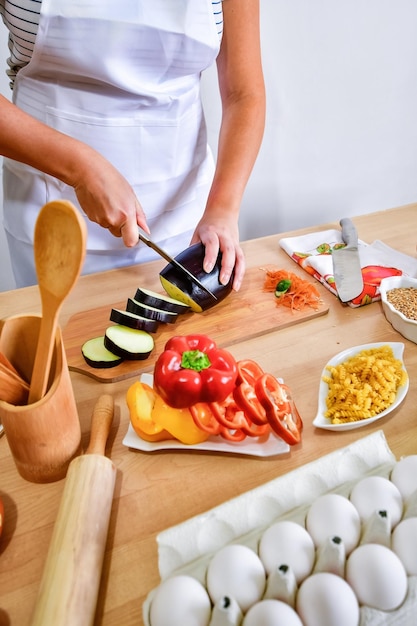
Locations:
(346, 264)
(170, 259)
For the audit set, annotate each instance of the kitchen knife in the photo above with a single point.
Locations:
(71, 578)
(346, 264)
(173, 261)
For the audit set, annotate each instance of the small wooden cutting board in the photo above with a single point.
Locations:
(249, 313)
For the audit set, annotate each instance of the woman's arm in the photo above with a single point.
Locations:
(243, 118)
(103, 193)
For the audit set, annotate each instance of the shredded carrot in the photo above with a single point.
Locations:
(300, 294)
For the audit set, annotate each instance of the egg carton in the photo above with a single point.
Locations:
(189, 547)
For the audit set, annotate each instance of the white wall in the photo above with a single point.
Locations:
(341, 133)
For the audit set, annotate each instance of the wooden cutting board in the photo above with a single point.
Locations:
(249, 313)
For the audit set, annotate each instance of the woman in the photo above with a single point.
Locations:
(107, 113)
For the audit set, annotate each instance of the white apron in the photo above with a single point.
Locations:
(123, 77)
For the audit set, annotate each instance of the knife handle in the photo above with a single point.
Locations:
(349, 232)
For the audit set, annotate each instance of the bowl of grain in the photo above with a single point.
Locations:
(399, 303)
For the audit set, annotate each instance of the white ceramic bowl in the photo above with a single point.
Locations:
(404, 325)
(320, 421)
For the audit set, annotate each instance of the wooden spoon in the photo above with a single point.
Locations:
(59, 249)
(13, 389)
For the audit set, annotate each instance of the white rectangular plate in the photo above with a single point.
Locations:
(271, 445)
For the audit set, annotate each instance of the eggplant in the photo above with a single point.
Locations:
(160, 301)
(180, 287)
(97, 355)
(131, 320)
(128, 343)
(139, 308)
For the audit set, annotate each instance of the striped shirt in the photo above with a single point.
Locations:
(22, 19)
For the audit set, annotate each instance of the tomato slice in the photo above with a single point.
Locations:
(279, 408)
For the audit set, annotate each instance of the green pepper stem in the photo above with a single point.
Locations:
(195, 360)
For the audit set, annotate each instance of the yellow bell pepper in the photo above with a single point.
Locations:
(178, 422)
(140, 400)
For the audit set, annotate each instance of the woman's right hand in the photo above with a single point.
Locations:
(103, 193)
(108, 199)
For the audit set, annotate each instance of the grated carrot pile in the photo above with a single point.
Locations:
(300, 294)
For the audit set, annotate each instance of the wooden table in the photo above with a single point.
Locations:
(157, 490)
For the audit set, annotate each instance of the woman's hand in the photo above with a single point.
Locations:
(243, 116)
(107, 199)
(221, 233)
(103, 193)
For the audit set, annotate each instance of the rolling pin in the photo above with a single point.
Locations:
(71, 578)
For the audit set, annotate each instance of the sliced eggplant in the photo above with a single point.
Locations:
(180, 287)
(128, 343)
(139, 308)
(160, 301)
(131, 320)
(97, 355)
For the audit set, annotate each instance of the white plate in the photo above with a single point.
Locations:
(263, 446)
(323, 422)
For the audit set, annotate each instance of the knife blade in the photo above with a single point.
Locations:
(151, 244)
(346, 264)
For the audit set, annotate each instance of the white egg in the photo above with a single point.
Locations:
(404, 544)
(271, 613)
(376, 493)
(377, 576)
(236, 571)
(404, 475)
(333, 515)
(325, 599)
(287, 543)
(180, 600)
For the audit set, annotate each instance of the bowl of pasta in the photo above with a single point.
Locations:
(399, 303)
(361, 385)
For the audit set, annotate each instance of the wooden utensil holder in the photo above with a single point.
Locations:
(44, 436)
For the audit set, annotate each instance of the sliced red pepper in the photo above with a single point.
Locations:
(232, 435)
(279, 409)
(204, 419)
(294, 410)
(192, 369)
(231, 417)
(247, 400)
(248, 372)
(228, 414)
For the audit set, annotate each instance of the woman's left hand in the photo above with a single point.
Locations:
(221, 234)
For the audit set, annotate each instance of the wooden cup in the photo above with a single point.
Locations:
(44, 436)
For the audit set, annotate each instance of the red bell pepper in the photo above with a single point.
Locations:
(248, 371)
(233, 418)
(280, 409)
(192, 369)
(248, 402)
(204, 419)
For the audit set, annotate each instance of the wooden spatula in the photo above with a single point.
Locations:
(59, 248)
